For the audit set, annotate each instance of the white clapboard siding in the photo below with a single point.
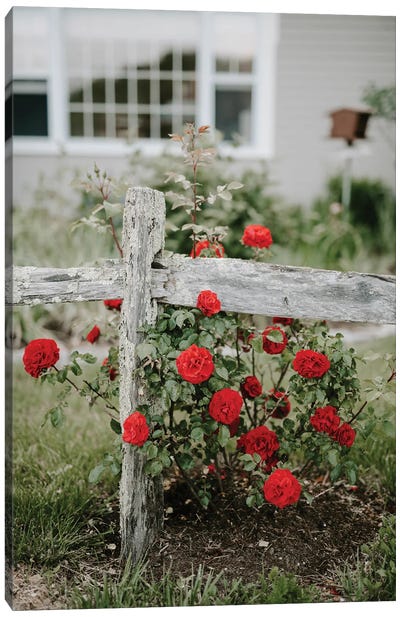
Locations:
(324, 62)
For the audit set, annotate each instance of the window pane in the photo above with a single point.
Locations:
(188, 90)
(188, 61)
(144, 125)
(99, 125)
(76, 124)
(143, 91)
(165, 91)
(99, 91)
(166, 61)
(30, 115)
(121, 91)
(121, 125)
(165, 126)
(75, 91)
(233, 112)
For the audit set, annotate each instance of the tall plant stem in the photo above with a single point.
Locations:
(114, 235)
(99, 394)
(194, 212)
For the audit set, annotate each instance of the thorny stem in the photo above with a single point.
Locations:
(108, 404)
(114, 235)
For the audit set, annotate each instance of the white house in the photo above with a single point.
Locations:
(96, 84)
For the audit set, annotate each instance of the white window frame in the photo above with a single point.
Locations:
(262, 145)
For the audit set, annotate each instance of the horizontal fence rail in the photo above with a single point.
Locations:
(243, 287)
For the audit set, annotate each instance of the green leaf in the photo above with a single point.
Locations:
(234, 185)
(62, 374)
(144, 350)
(257, 344)
(154, 467)
(308, 497)
(231, 445)
(389, 428)
(76, 369)
(89, 358)
(250, 501)
(115, 426)
(222, 372)
(56, 416)
(223, 436)
(95, 473)
(275, 336)
(336, 472)
(185, 461)
(332, 457)
(165, 458)
(173, 388)
(197, 433)
(151, 451)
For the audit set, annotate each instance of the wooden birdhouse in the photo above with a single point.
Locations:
(349, 124)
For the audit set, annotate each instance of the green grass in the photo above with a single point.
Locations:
(135, 587)
(57, 513)
(373, 577)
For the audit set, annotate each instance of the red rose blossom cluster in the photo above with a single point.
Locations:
(39, 355)
(208, 303)
(112, 372)
(216, 249)
(310, 364)
(271, 346)
(285, 321)
(135, 429)
(251, 387)
(260, 440)
(326, 420)
(225, 406)
(195, 364)
(93, 334)
(257, 236)
(113, 304)
(282, 488)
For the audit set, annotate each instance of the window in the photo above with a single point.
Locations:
(26, 109)
(119, 77)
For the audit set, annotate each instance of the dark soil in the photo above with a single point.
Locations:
(306, 540)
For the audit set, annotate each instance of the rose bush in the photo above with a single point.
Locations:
(224, 398)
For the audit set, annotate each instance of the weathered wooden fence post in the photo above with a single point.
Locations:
(141, 497)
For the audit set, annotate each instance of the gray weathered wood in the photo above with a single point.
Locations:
(243, 286)
(141, 505)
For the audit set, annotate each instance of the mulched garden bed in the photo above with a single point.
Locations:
(306, 540)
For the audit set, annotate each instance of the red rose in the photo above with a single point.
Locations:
(40, 354)
(112, 372)
(273, 346)
(195, 364)
(213, 470)
(325, 420)
(93, 334)
(260, 440)
(251, 387)
(208, 302)
(345, 435)
(309, 363)
(113, 304)
(135, 430)
(279, 403)
(285, 321)
(282, 488)
(215, 248)
(225, 406)
(257, 236)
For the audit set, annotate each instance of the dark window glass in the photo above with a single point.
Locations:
(232, 112)
(121, 125)
(166, 126)
(99, 91)
(121, 90)
(76, 124)
(188, 61)
(75, 91)
(143, 87)
(99, 125)
(144, 125)
(29, 115)
(165, 91)
(166, 61)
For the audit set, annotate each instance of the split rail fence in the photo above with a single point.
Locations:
(146, 277)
